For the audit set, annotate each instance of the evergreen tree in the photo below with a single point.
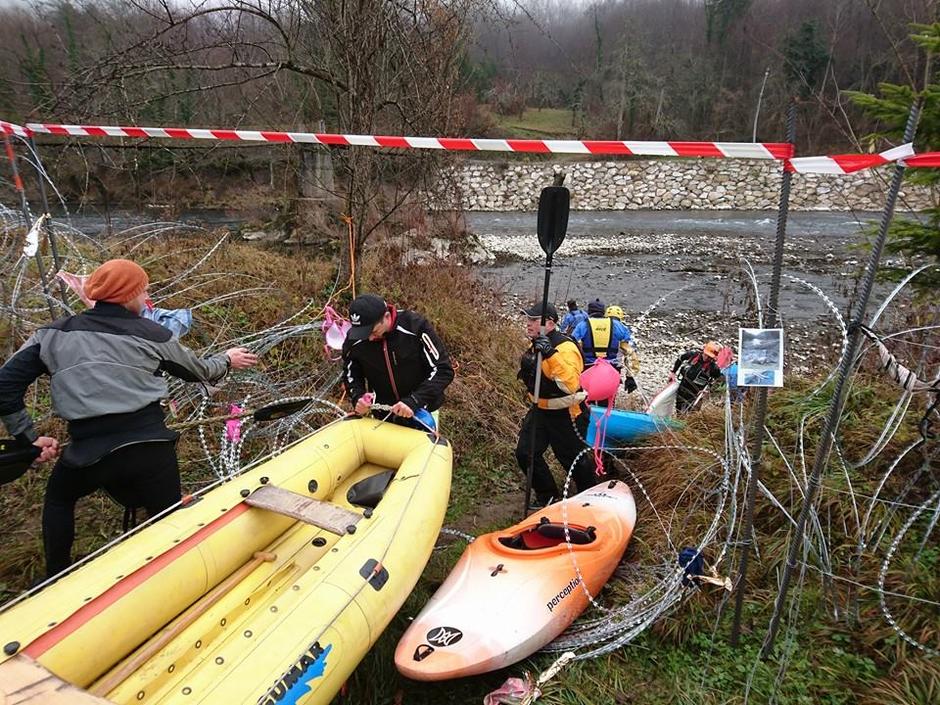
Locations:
(916, 240)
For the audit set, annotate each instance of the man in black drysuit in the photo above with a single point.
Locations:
(395, 358)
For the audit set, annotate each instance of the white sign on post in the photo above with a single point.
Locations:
(761, 357)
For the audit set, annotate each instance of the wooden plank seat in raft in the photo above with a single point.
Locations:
(323, 515)
(22, 680)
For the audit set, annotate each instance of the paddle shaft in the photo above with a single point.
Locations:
(530, 471)
(170, 632)
(552, 224)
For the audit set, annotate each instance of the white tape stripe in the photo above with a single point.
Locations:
(744, 151)
(567, 147)
(492, 145)
(202, 135)
(816, 165)
(659, 149)
(424, 142)
(306, 137)
(899, 152)
(362, 140)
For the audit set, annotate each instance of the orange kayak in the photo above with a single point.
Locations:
(514, 591)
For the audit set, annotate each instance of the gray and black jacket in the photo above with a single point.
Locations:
(107, 366)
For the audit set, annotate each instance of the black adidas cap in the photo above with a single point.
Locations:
(364, 312)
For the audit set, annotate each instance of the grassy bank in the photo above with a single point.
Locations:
(837, 647)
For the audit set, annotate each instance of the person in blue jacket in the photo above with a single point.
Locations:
(603, 336)
(574, 316)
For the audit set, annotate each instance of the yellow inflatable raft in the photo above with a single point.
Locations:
(267, 589)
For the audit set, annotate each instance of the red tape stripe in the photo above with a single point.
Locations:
(856, 162)
(696, 149)
(276, 137)
(387, 141)
(530, 146)
(339, 140)
(607, 147)
(457, 143)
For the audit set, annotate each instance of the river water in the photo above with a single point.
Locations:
(694, 266)
(633, 258)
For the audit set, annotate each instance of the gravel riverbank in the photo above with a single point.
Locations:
(681, 287)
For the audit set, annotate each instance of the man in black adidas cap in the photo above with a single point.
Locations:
(396, 355)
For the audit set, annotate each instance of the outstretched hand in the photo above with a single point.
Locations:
(241, 358)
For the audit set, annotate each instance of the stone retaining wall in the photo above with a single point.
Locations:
(669, 184)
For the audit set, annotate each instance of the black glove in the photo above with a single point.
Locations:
(629, 384)
(543, 345)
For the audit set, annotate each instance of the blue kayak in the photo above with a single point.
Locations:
(626, 426)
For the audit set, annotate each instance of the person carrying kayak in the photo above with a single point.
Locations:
(605, 336)
(107, 367)
(395, 358)
(561, 408)
(696, 370)
(574, 316)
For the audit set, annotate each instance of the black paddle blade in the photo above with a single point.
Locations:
(15, 459)
(280, 409)
(554, 204)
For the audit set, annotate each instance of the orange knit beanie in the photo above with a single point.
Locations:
(117, 281)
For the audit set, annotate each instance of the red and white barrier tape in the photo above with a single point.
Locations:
(836, 164)
(8, 128)
(737, 150)
(849, 163)
(923, 160)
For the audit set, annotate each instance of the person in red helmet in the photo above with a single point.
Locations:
(696, 370)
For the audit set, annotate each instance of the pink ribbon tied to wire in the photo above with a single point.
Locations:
(334, 328)
(233, 427)
(600, 381)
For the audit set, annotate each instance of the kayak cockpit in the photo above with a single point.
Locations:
(547, 534)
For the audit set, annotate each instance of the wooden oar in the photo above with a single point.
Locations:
(170, 632)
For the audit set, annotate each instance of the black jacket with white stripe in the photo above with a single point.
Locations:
(409, 364)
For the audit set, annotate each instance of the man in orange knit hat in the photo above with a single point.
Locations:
(108, 367)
